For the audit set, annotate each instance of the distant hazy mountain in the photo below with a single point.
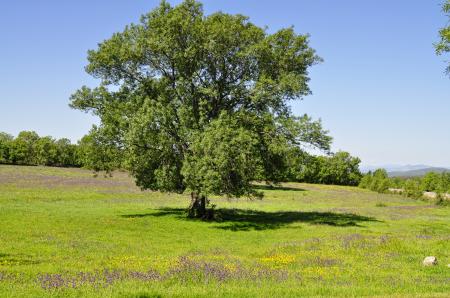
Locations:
(405, 170)
(393, 167)
(418, 172)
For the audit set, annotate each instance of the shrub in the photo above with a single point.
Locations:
(377, 181)
(412, 189)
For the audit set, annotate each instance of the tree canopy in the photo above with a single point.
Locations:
(201, 102)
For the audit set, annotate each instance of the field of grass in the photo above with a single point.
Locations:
(64, 233)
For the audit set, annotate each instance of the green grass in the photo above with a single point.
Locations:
(300, 240)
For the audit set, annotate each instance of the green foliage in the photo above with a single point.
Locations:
(339, 168)
(23, 148)
(5, 147)
(441, 200)
(445, 182)
(366, 180)
(439, 183)
(443, 46)
(66, 153)
(30, 149)
(430, 182)
(377, 181)
(96, 153)
(224, 159)
(179, 78)
(302, 166)
(380, 182)
(383, 186)
(396, 182)
(46, 151)
(411, 189)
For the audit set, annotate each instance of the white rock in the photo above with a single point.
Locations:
(430, 261)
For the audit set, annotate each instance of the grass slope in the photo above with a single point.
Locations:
(64, 233)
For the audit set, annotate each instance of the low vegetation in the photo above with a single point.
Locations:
(68, 234)
(413, 187)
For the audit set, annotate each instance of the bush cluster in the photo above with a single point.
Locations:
(412, 187)
(339, 168)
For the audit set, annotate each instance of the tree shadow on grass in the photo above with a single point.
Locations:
(246, 220)
(276, 187)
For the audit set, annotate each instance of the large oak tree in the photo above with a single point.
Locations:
(201, 102)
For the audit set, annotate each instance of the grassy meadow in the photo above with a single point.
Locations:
(65, 233)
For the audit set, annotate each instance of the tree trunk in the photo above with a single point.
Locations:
(197, 209)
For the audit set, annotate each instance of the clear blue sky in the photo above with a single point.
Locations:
(381, 91)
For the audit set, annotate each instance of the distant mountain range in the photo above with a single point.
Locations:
(406, 170)
(418, 172)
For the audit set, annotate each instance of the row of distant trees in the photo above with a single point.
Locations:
(94, 152)
(411, 187)
(28, 148)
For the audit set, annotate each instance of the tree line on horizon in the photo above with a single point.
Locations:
(30, 149)
(94, 153)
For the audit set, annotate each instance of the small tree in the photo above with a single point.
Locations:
(340, 168)
(377, 181)
(96, 154)
(430, 182)
(67, 153)
(443, 46)
(46, 151)
(445, 182)
(5, 147)
(201, 102)
(302, 166)
(366, 180)
(412, 189)
(23, 148)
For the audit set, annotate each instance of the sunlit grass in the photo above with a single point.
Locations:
(300, 240)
